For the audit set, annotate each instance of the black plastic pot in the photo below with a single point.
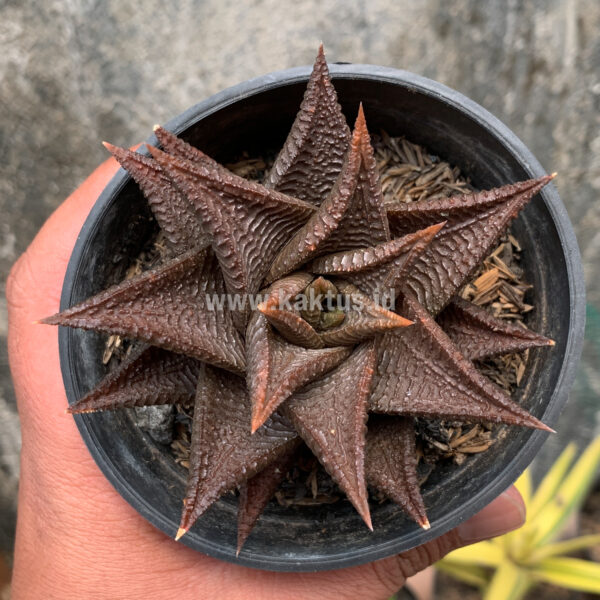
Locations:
(255, 116)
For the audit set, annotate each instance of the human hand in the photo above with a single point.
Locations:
(78, 539)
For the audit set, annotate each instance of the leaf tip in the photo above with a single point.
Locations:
(52, 320)
(110, 147)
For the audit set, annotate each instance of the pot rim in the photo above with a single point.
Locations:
(574, 343)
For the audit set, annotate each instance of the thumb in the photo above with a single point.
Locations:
(505, 513)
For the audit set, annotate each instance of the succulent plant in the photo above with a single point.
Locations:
(294, 311)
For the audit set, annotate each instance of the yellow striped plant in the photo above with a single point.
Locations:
(507, 567)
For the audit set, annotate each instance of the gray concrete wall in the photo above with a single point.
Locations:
(74, 73)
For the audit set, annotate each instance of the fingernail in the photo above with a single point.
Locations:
(504, 514)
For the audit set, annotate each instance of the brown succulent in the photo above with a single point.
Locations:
(293, 310)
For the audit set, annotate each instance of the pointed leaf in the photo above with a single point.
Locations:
(313, 154)
(469, 574)
(258, 490)
(330, 415)
(167, 307)
(148, 377)
(509, 582)
(572, 573)
(248, 223)
(478, 334)
(276, 369)
(177, 218)
(292, 327)
(422, 373)
(475, 222)
(373, 269)
(174, 145)
(561, 548)
(363, 319)
(569, 495)
(352, 216)
(366, 220)
(223, 452)
(484, 554)
(391, 464)
(551, 481)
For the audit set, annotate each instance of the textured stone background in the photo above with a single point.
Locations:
(74, 73)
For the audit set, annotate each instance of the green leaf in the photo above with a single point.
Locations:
(519, 543)
(551, 481)
(508, 583)
(572, 573)
(569, 495)
(466, 573)
(562, 548)
(484, 554)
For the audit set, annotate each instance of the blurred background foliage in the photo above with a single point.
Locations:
(510, 566)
